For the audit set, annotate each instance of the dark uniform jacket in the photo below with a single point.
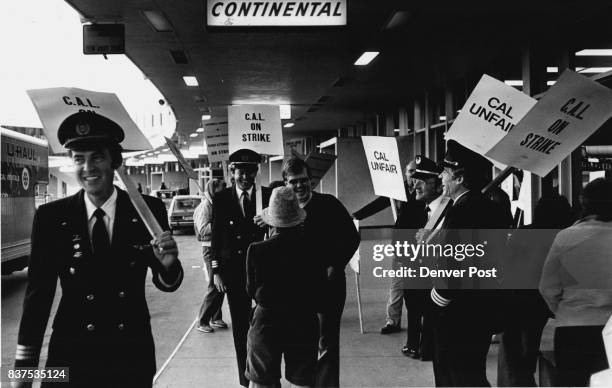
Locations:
(102, 320)
(232, 234)
(473, 211)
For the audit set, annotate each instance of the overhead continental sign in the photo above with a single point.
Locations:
(247, 13)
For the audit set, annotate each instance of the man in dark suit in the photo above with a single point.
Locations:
(428, 202)
(232, 233)
(329, 226)
(98, 246)
(465, 319)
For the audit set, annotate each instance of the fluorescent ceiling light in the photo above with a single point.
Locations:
(552, 69)
(193, 135)
(396, 130)
(593, 160)
(157, 20)
(514, 82)
(200, 130)
(594, 70)
(157, 152)
(550, 83)
(366, 58)
(442, 118)
(288, 125)
(206, 117)
(190, 80)
(285, 112)
(595, 52)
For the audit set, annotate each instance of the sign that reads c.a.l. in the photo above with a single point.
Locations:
(269, 13)
(384, 165)
(215, 135)
(566, 116)
(53, 105)
(255, 127)
(491, 111)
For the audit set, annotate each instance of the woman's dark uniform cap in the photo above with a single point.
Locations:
(84, 130)
(458, 156)
(425, 168)
(244, 158)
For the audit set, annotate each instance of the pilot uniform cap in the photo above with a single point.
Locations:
(425, 168)
(85, 130)
(460, 157)
(244, 156)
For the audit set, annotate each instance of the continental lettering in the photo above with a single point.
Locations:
(331, 8)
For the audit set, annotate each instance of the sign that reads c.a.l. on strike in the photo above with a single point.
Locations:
(491, 111)
(384, 165)
(570, 111)
(255, 127)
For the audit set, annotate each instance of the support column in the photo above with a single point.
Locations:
(534, 81)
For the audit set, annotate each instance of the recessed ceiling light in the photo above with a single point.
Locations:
(157, 20)
(288, 125)
(190, 80)
(595, 52)
(442, 118)
(285, 112)
(552, 69)
(594, 70)
(514, 82)
(200, 130)
(366, 58)
(550, 83)
(193, 135)
(157, 152)
(206, 117)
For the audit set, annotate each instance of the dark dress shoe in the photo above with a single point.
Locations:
(389, 328)
(408, 352)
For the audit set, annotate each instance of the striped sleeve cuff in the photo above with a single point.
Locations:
(438, 299)
(27, 352)
(214, 266)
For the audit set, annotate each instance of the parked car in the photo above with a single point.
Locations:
(180, 213)
(165, 195)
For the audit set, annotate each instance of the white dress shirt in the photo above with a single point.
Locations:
(109, 208)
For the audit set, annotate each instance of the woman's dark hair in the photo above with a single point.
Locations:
(553, 212)
(596, 199)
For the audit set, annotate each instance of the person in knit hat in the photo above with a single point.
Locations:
(284, 277)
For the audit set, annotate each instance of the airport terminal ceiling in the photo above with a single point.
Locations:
(423, 45)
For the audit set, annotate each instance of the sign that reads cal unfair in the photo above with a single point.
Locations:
(53, 105)
(491, 111)
(215, 135)
(566, 116)
(255, 127)
(384, 165)
(266, 13)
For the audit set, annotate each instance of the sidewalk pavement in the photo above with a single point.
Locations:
(367, 360)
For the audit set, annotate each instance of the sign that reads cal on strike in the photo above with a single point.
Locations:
(566, 116)
(384, 165)
(266, 13)
(255, 127)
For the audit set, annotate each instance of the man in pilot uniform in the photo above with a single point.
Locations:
(99, 248)
(464, 319)
(233, 231)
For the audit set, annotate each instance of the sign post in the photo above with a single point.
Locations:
(191, 173)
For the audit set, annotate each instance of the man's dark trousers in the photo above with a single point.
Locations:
(211, 307)
(328, 366)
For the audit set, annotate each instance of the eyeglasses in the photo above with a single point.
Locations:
(295, 182)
